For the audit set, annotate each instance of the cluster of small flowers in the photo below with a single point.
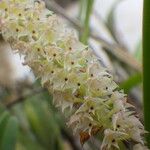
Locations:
(71, 72)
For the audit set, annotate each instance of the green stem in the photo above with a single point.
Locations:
(87, 13)
(146, 67)
(81, 15)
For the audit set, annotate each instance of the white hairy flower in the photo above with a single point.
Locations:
(70, 72)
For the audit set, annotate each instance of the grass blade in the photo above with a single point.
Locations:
(10, 135)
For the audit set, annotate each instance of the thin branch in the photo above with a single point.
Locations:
(23, 97)
(114, 49)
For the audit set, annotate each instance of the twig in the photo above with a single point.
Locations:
(114, 49)
(23, 97)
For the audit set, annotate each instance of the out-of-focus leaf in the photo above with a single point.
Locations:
(111, 24)
(8, 141)
(26, 139)
(3, 121)
(2, 109)
(138, 52)
(81, 15)
(26, 142)
(85, 13)
(42, 122)
(131, 82)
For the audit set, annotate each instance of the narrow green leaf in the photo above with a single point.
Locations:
(138, 52)
(146, 67)
(2, 108)
(3, 121)
(10, 135)
(85, 19)
(42, 122)
(131, 82)
(110, 22)
(26, 142)
(82, 9)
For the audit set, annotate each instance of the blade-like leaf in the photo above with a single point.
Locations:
(10, 135)
(138, 52)
(86, 10)
(42, 122)
(131, 82)
(3, 121)
(146, 65)
(111, 23)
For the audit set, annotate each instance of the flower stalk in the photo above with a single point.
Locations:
(83, 89)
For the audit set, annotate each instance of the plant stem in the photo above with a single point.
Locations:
(86, 12)
(146, 67)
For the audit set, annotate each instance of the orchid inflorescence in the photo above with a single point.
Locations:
(71, 72)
